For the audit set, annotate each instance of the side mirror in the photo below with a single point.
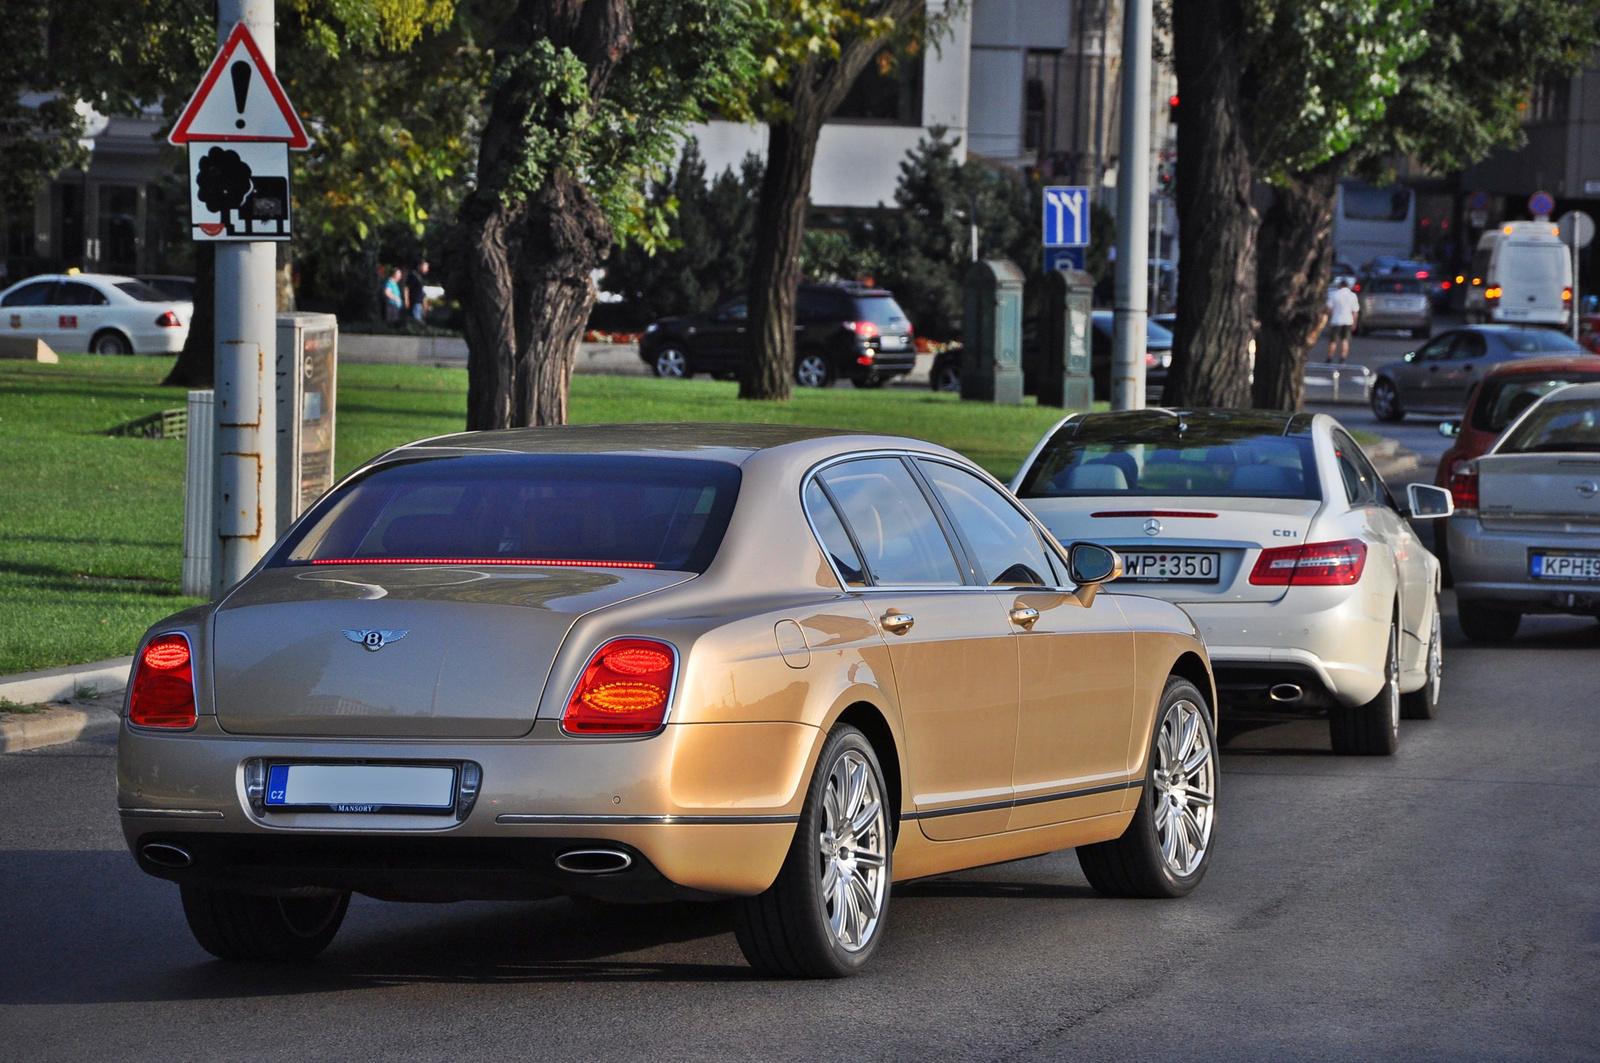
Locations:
(1410, 356)
(1428, 502)
(1449, 429)
(1089, 565)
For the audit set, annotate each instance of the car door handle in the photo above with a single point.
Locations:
(1025, 616)
(896, 622)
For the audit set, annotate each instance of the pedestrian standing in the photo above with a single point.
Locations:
(416, 290)
(1344, 306)
(394, 299)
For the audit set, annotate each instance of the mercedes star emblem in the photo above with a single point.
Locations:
(375, 639)
(1152, 527)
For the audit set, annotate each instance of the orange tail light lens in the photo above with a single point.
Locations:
(1312, 565)
(625, 689)
(1491, 293)
(163, 684)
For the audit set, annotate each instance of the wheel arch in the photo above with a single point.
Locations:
(113, 331)
(870, 720)
(1189, 666)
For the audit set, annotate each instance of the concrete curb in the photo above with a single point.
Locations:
(63, 684)
(55, 726)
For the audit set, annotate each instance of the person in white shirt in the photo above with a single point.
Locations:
(1344, 306)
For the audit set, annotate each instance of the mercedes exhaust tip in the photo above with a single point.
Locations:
(594, 861)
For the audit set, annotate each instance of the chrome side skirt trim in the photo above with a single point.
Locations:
(1037, 799)
(170, 813)
(625, 820)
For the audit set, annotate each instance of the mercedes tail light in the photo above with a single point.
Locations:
(865, 329)
(163, 684)
(1337, 564)
(1464, 487)
(169, 320)
(625, 689)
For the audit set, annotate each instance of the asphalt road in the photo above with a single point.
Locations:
(1439, 905)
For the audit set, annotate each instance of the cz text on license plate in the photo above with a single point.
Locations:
(1153, 566)
(1565, 566)
(361, 787)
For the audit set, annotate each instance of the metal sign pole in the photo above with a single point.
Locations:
(1133, 212)
(246, 371)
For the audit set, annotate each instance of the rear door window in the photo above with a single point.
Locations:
(835, 539)
(902, 542)
(1002, 541)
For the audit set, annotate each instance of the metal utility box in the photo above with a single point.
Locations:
(991, 326)
(1064, 377)
(308, 365)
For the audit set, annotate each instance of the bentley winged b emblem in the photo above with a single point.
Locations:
(375, 639)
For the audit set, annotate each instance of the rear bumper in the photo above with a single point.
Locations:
(1492, 565)
(160, 340)
(692, 817)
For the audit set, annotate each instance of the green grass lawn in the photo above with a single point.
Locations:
(91, 526)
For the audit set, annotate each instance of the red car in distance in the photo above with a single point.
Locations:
(1500, 396)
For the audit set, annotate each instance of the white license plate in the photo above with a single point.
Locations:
(361, 787)
(895, 343)
(1565, 566)
(1151, 566)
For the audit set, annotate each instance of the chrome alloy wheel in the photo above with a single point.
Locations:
(1186, 788)
(1435, 660)
(672, 364)
(852, 851)
(811, 371)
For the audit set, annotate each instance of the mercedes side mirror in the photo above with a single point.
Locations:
(1089, 565)
(1449, 429)
(1428, 502)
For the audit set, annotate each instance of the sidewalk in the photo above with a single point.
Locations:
(62, 704)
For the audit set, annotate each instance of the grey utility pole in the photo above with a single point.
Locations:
(246, 366)
(1131, 304)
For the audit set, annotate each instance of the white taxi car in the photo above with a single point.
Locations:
(96, 312)
(1276, 534)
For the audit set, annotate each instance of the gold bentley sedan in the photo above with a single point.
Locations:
(643, 662)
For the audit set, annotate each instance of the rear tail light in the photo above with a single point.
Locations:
(625, 689)
(1566, 295)
(1492, 293)
(865, 329)
(1336, 564)
(1422, 274)
(169, 320)
(1445, 285)
(864, 359)
(1464, 488)
(163, 684)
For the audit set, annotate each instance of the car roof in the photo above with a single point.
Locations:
(734, 443)
(1575, 393)
(1545, 363)
(103, 278)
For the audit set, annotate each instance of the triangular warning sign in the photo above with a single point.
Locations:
(239, 99)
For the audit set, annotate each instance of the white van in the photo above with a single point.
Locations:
(1521, 275)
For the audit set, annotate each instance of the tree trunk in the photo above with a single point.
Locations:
(1294, 265)
(196, 364)
(520, 260)
(815, 91)
(1217, 288)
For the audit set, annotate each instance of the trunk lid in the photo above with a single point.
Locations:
(1233, 528)
(467, 653)
(1552, 490)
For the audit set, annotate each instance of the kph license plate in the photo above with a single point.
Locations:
(1565, 566)
(1149, 566)
(361, 787)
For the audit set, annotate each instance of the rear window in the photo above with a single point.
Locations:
(1541, 339)
(1161, 455)
(1394, 285)
(881, 310)
(1557, 427)
(526, 509)
(143, 292)
(1503, 401)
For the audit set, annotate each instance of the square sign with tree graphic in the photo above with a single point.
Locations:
(239, 191)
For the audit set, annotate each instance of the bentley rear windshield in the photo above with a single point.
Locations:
(533, 510)
(1160, 453)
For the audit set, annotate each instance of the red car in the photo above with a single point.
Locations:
(1500, 395)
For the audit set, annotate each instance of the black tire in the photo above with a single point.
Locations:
(1483, 622)
(110, 341)
(672, 363)
(813, 369)
(1373, 729)
(241, 926)
(785, 931)
(1423, 703)
(946, 375)
(1386, 402)
(1135, 865)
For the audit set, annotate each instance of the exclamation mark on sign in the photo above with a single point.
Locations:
(240, 72)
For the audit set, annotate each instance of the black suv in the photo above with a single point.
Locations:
(841, 330)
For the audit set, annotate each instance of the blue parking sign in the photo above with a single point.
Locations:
(1063, 258)
(1066, 216)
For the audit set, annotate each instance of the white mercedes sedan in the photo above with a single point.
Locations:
(1276, 534)
(96, 312)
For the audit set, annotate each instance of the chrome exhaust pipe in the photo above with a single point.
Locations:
(1285, 692)
(594, 861)
(167, 855)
